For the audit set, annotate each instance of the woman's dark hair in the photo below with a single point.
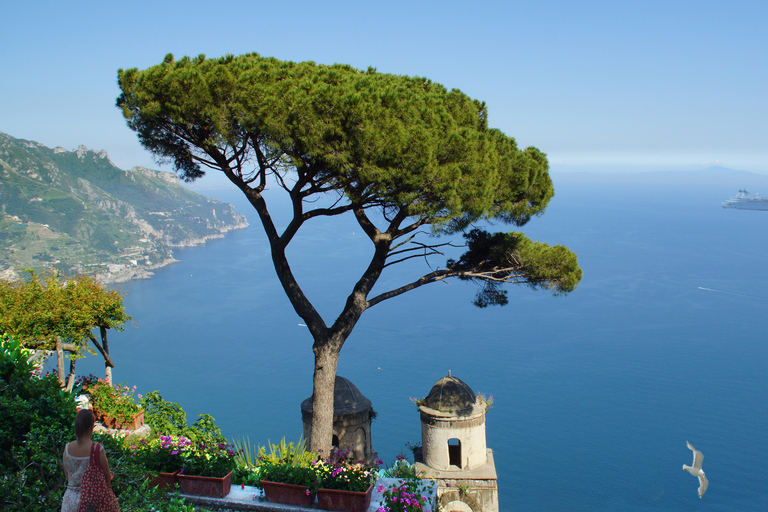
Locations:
(83, 422)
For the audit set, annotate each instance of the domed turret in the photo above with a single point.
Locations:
(453, 449)
(352, 414)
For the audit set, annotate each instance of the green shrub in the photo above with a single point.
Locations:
(168, 418)
(14, 359)
(36, 421)
(162, 416)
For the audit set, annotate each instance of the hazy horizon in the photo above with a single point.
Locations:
(602, 84)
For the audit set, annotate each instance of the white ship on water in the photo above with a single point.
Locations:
(746, 201)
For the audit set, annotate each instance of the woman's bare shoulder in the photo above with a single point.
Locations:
(74, 449)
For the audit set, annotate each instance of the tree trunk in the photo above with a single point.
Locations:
(60, 360)
(72, 374)
(107, 368)
(323, 382)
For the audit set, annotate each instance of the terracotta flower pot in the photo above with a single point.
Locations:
(344, 501)
(164, 481)
(205, 485)
(287, 494)
(135, 422)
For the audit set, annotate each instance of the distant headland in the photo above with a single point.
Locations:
(76, 212)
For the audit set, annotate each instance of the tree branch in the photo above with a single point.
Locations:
(432, 277)
(511, 275)
(107, 360)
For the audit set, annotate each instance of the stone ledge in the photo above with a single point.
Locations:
(240, 498)
(485, 472)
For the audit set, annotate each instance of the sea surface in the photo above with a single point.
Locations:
(595, 393)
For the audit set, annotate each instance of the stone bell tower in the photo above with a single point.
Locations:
(352, 415)
(454, 452)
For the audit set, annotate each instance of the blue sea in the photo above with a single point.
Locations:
(595, 393)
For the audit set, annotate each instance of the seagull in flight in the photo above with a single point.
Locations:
(696, 469)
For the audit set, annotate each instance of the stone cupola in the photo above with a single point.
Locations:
(454, 451)
(352, 415)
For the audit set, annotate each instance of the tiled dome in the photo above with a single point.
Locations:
(450, 394)
(347, 399)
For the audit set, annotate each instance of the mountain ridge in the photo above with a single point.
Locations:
(75, 211)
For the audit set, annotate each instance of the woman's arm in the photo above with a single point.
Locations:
(105, 464)
(64, 462)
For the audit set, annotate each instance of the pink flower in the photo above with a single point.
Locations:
(307, 492)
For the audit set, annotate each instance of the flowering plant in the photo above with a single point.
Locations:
(82, 383)
(167, 454)
(337, 472)
(286, 463)
(115, 401)
(408, 496)
(214, 460)
(485, 401)
(294, 473)
(162, 454)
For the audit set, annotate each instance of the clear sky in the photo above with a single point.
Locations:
(612, 84)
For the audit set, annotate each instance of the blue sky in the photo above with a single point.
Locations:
(604, 85)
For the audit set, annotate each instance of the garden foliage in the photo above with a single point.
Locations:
(36, 421)
(36, 418)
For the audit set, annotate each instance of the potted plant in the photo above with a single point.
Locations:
(287, 474)
(162, 456)
(206, 469)
(115, 405)
(288, 483)
(345, 486)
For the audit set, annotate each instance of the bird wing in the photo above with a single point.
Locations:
(698, 458)
(703, 483)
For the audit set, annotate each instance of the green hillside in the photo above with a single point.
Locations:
(76, 212)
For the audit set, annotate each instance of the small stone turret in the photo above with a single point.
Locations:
(454, 452)
(352, 415)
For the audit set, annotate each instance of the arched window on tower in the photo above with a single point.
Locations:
(360, 450)
(454, 452)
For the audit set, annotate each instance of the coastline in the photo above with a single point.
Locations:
(117, 273)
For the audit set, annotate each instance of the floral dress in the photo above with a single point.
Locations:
(75, 467)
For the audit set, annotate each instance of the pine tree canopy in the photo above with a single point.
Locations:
(420, 154)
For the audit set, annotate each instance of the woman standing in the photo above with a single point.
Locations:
(77, 455)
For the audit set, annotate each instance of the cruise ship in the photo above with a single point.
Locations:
(746, 201)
